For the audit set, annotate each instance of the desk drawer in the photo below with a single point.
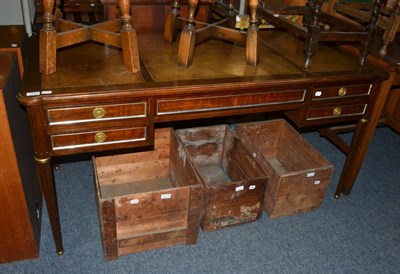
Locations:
(178, 106)
(97, 113)
(86, 141)
(340, 92)
(335, 112)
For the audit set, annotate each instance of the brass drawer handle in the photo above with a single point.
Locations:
(100, 137)
(342, 91)
(337, 111)
(99, 113)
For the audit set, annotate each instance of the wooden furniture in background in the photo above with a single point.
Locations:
(13, 40)
(388, 19)
(337, 30)
(85, 108)
(148, 16)
(20, 197)
(194, 33)
(58, 33)
(391, 110)
(81, 11)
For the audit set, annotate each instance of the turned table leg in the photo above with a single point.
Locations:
(311, 22)
(391, 29)
(128, 38)
(252, 54)
(48, 40)
(170, 30)
(188, 37)
(57, 13)
(366, 44)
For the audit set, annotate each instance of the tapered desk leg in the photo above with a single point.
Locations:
(361, 139)
(49, 193)
(170, 30)
(44, 168)
(252, 54)
(188, 37)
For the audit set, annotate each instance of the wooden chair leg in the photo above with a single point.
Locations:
(231, 14)
(313, 9)
(188, 37)
(252, 54)
(48, 40)
(366, 44)
(128, 38)
(57, 13)
(391, 29)
(170, 30)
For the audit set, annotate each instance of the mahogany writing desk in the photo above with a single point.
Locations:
(92, 103)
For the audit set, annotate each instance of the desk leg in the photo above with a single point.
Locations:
(42, 157)
(361, 139)
(45, 173)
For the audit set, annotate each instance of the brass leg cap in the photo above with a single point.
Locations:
(337, 196)
(60, 253)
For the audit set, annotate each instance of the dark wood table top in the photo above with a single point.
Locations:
(93, 67)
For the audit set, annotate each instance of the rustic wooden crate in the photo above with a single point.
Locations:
(234, 184)
(148, 200)
(298, 173)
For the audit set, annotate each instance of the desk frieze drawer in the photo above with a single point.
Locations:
(341, 91)
(64, 116)
(86, 140)
(335, 112)
(234, 101)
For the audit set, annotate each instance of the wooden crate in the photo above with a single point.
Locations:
(298, 173)
(234, 184)
(148, 200)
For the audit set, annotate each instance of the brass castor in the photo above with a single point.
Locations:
(337, 196)
(60, 253)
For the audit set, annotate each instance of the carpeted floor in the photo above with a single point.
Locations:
(359, 233)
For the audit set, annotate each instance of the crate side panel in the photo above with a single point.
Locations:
(237, 211)
(151, 225)
(150, 246)
(204, 144)
(293, 204)
(144, 205)
(156, 237)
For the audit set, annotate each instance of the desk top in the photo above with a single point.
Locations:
(92, 67)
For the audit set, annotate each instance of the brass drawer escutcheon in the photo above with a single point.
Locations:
(337, 111)
(100, 137)
(98, 112)
(342, 91)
